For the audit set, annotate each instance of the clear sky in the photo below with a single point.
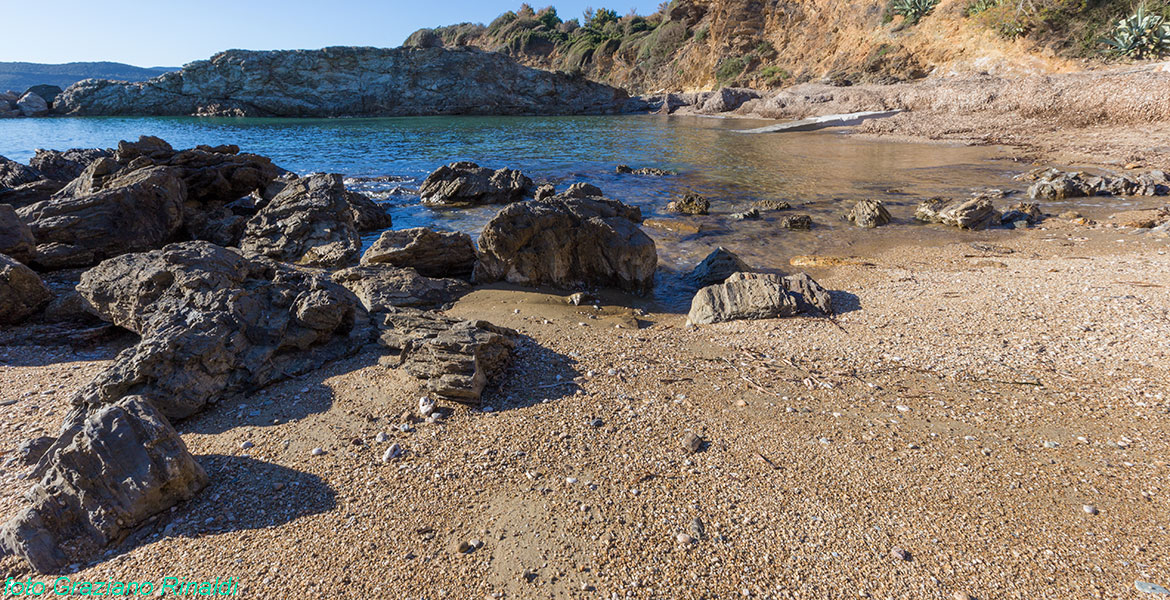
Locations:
(170, 33)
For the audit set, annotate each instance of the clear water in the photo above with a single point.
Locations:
(821, 174)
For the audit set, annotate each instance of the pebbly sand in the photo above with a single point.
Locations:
(971, 405)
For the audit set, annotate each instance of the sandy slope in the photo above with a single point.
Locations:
(964, 406)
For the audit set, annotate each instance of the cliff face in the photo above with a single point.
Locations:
(702, 44)
(336, 82)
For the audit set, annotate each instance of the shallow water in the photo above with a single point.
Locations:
(820, 173)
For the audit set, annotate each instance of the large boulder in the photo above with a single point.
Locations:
(16, 239)
(32, 105)
(135, 211)
(310, 222)
(868, 214)
(717, 267)
(431, 253)
(47, 92)
(214, 323)
(466, 183)
(568, 242)
(122, 465)
(13, 173)
(455, 359)
(382, 286)
(22, 293)
(758, 296)
(976, 213)
(66, 165)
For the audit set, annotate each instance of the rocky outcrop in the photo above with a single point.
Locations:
(66, 165)
(455, 359)
(22, 293)
(568, 242)
(976, 213)
(868, 214)
(689, 204)
(431, 253)
(346, 81)
(466, 183)
(13, 173)
(1054, 184)
(16, 239)
(310, 222)
(121, 466)
(717, 267)
(30, 193)
(759, 296)
(380, 287)
(137, 211)
(214, 323)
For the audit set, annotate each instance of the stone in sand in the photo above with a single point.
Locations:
(758, 296)
(431, 253)
(466, 183)
(717, 267)
(124, 464)
(309, 222)
(22, 293)
(689, 204)
(868, 214)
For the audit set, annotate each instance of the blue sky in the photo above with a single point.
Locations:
(174, 32)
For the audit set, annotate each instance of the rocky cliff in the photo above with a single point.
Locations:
(344, 82)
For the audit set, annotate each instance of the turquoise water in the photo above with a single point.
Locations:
(821, 173)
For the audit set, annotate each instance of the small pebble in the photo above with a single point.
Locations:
(247, 445)
(317, 451)
(382, 437)
(426, 406)
(597, 422)
(685, 539)
(899, 553)
(393, 452)
(692, 442)
(1151, 588)
(570, 480)
(1089, 509)
(963, 596)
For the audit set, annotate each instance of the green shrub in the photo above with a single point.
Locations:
(1140, 35)
(912, 10)
(729, 69)
(700, 35)
(978, 6)
(773, 75)
(764, 50)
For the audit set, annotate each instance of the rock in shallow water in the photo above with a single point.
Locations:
(466, 183)
(689, 204)
(976, 213)
(868, 214)
(717, 267)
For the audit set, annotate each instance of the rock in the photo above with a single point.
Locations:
(214, 324)
(308, 223)
(544, 192)
(692, 442)
(1054, 184)
(807, 260)
(962, 596)
(431, 253)
(1146, 587)
(13, 173)
(423, 38)
(16, 239)
(347, 81)
(868, 214)
(30, 193)
(367, 214)
(799, 222)
(121, 466)
(66, 165)
(771, 205)
(727, 99)
(579, 298)
(1029, 212)
(466, 183)
(48, 93)
(690, 204)
(22, 293)
(684, 539)
(646, 171)
(899, 554)
(391, 453)
(32, 105)
(697, 528)
(382, 286)
(455, 359)
(426, 406)
(1089, 509)
(31, 451)
(317, 452)
(758, 296)
(748, 215)
(568, 242)
(976, 213)
(717, 267)
(136, 211)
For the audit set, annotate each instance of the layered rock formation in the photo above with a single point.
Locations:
(759, 296)
(346, 81)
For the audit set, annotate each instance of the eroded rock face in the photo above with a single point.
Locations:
(717, 267)
(139, 210)
(456, 359)
(30, 193)
(66, 165)
(976, 213)
(380, 287)
(466, 183)
(16, 239)
(13, 173)
(431, 253)
(758, 296)
(868, 214)
(310, 222)
(689, 204)
(335, 82)
(214, 323)
(22, 293)
(568, 242)
(122, 465)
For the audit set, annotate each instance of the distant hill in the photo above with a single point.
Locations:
(20, 76)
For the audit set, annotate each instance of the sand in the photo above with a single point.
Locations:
(965, 406)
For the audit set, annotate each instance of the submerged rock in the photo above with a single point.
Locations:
(868, 214)
(717, 267)
(646, 171)
(976, 213)
(466, 183)
(431, 253)
(689, 204)
(310, 222)
(568, 242)
(22, 293)
(123, 464)
(771, 205)
(455, 359)
(758, 296)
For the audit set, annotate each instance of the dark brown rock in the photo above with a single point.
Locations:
(689, 204)
(66, 165)
(22, 293)
(466, 183)
(868, 214)
(976, 213)
(13, 173)
(310, 222)
(30, 193)
(717, 267)
(431, 253)
(382, 286)
(16, 239)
